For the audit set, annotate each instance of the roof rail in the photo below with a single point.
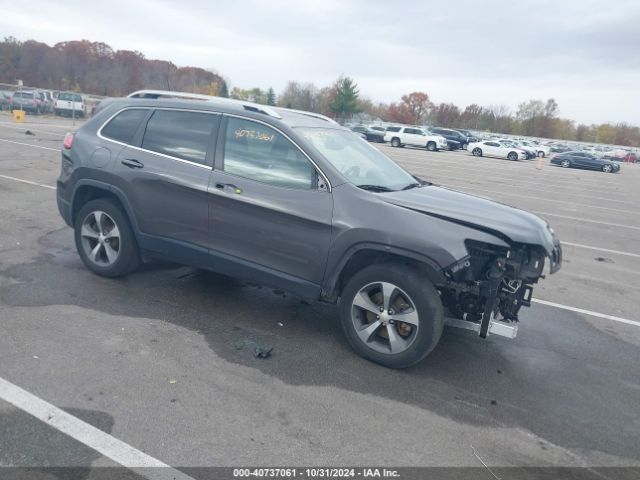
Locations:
(309, 114)
(253, 107)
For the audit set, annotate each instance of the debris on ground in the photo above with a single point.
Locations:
(259, 350)
(29, 132)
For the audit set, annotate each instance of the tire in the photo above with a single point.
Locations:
(565, 163)
(541, 154)
(513, 156)
(395, 142)
(106, 264)
(464, 146)
(607, 168)
(431, 146)
(409, 290)
(477, 152)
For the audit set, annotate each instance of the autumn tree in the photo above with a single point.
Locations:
(418, 105)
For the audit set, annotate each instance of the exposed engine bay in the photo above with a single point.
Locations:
(485, 290)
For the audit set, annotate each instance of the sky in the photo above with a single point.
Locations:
(583, 53)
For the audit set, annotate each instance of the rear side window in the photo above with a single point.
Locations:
(184, 135)
(123, 126)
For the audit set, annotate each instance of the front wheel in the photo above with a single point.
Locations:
(607, 168)
(431, 146)
(477, 152)
(512, 156)
(391, 314)
(105, 240)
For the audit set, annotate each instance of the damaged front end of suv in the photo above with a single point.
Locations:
(506, 254)
(485, 290)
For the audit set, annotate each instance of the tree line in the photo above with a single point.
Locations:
(95, 68)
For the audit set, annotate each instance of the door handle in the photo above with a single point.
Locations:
(222, 186)
(132, 163)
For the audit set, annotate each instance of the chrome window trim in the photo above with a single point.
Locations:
(318, 169)
(99, 133)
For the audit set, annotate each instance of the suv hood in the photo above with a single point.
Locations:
(505, 222)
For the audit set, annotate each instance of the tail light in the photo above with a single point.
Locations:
(68, 141)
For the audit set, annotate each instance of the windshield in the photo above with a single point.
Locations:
(73, 97)
(358, 161)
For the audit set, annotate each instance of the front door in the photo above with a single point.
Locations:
(267, 214)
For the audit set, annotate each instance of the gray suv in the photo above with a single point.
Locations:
(291, 199)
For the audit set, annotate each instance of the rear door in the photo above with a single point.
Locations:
(267, 213)
(165, 176)
(412, 137)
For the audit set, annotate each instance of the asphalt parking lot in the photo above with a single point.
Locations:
(154, 361)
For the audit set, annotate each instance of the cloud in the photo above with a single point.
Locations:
(584, 53)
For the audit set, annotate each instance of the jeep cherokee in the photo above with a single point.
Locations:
(293, 200)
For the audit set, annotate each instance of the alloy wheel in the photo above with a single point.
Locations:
(100, 238)
(385, 318)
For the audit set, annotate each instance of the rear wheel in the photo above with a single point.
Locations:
(565, 163)
(477, 152)
(391, 314)
(431, 146)
(105, 240)
(395, 142)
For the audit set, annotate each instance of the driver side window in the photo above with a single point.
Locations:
(257, 152)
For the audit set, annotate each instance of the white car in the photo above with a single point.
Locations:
(542, 150)
(69, 103)
(493, 148)
(416, 137)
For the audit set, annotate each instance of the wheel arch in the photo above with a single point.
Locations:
(86, 190)
(362, 255)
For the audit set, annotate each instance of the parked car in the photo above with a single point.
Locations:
(531, 153)
(577, 159)
(26, 100)
(541, 150)
(369, 134)
(560, 148)
(69, 104)
(416, 137)
(471, 137)
(493, 148)
(5, 99)
(49, 101)
(293, 200)
(453, 135)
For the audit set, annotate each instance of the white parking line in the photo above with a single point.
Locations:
(554, 200)
(25, 127)
(587, 312)
(30, 145)
(619, 225)
(105, 444)
(28, 181)
(599, 249)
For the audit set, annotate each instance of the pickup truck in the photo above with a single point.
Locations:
(70, 104)
(415, 137)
